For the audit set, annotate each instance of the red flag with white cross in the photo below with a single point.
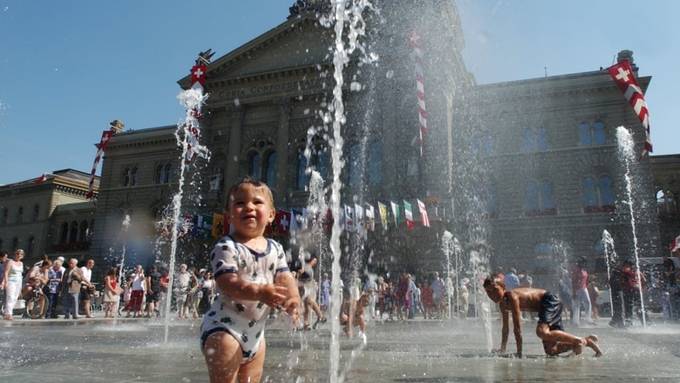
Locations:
(198, 74)
(623, 75)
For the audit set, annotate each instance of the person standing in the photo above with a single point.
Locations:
(153, 291)
(87, 288)
(111, 293)
(181, 290)
(14, 269)
(71, 289)
(306, 279)
(325, 302)
(371, 290)
(165, 281)
(208, 289)
(54, 279)
(134, 306)
(579, 286)
(511, 279)
(3, 262)
(438, 294)
(631, 291)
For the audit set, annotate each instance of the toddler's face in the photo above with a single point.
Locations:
(250, 210)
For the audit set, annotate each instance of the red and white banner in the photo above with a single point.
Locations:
(414, 42)
(101, 147)
(623, 75)
(423, 213)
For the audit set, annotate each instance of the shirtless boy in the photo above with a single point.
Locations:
(549, 328)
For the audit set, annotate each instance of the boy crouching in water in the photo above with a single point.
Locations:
(549, 328)
(252, 275)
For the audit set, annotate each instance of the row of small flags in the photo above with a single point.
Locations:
(355, 218)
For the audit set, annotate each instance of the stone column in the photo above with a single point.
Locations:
(234, 147)
(282, 151)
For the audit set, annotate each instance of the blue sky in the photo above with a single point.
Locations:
(69, 67)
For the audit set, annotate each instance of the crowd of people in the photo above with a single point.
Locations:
(69, 290)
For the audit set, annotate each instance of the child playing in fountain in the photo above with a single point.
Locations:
(549, 328)
(356, 307)
(252, 276)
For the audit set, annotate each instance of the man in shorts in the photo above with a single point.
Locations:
(549, 328)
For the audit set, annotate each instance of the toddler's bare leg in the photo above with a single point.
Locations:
(223, 356)
(251, 372)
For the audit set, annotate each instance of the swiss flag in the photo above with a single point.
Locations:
(198, 74)
(41, 179)
(281, 224)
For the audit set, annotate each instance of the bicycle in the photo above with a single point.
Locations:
(36, 304)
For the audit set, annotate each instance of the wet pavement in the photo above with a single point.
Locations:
(410, 352)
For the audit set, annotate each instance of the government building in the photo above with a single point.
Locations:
(513, 169)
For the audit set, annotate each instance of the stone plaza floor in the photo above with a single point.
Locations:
(410, 352)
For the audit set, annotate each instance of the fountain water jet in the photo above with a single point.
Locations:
(610, 258)
(626, 146)
(123, 230)
(192, 99)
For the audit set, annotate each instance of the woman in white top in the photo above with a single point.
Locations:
(12, 282)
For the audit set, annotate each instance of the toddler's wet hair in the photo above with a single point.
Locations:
(255, 183)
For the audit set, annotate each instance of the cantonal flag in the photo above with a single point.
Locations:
(408, 213)
(423, 213)
(382, 210)
(396, 213)
(370, 217)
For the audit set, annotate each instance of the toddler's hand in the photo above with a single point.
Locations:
(291, 305)
(273, 295)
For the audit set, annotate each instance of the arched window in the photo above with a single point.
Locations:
(301, 177)
(158, 175)
(133, 176)
(270, 170)
(30, 245)
(63, 233)
(255, 165)
(73, 232)
(36, 212)
(15, 244)
(592, 134)
(534, 140)
(539, 199)
(598, 195)
(167, 174)
(82, 237)
(5, 214)
(126, 177)
(375, 155)
(20, 214)
(599, 137)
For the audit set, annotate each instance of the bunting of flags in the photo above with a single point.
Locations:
(414, 42)
(623, 75)
(355, 218)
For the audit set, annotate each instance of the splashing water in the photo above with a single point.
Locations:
(610, 259)
(192, 99)
(350, 11)
(626, 147)
(124, 227)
